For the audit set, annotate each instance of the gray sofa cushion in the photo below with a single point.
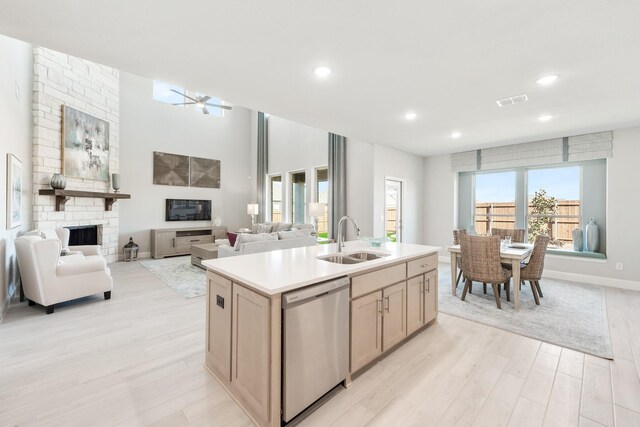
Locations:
(246, 238)
(295, 234)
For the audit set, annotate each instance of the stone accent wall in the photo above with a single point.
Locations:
(91, 88)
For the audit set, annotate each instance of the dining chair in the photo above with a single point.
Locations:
(532, 271)
(517, 235)
(481, 262)
(456, 241)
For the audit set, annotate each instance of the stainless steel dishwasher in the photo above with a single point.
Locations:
(315, 347)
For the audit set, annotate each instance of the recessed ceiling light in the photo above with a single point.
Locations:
(545, 118)
(547, 80)
(455, 134)
(322, 72)
(410, 116)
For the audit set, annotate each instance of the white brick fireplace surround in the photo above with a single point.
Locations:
(91, 88)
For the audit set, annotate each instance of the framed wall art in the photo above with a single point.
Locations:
(14, 191)
(170, 169)
(85, 145)
(205, 172)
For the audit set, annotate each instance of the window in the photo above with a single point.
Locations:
(275, 194)
(553, 200)
(495, 201)
(322, 196)
(554, 204)
(298, 196)
(180, 97)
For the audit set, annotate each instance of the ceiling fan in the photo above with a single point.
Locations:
(200, 101)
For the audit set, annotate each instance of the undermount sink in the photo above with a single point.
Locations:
(352, 258)
(340, 259)
(366, 256)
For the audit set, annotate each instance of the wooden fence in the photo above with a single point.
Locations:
(559, 229)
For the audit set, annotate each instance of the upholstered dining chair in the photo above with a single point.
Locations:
(517, 235)
(456, 241)
(481, 263)
(532, 271)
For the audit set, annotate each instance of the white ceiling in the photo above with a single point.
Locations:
(448, 60)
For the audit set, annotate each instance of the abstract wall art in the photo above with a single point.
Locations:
(85, 145)
(205, 173)
(170, 169)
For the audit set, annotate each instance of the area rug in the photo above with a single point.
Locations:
(570, 314)
(187, 280)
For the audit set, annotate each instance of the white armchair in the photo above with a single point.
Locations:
(48, 279)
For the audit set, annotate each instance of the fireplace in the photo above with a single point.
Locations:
(85, 235)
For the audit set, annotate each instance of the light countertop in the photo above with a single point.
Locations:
(280, 271)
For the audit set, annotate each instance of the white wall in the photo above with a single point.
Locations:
(296, 147)
(391, 163)
(147, 126)
(360, 186)
(623, 205)
(439, 199)
(16, 138)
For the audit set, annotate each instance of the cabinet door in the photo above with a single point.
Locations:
(251, 352)
(366, 329)
(415, 304)
(431, 296)
(165, 243)
(218, 356)
(394, 315)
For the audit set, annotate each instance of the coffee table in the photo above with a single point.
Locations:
(203, 252)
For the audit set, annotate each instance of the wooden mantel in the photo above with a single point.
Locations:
(62, 196)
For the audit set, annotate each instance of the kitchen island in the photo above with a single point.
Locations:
(391, 298)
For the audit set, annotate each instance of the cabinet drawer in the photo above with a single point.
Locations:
(422, 265)
(193, 240)
(375, 280)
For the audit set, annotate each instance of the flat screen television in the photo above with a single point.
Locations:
(188, 210)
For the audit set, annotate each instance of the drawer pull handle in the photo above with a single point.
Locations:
(196, 240)
(387, 307)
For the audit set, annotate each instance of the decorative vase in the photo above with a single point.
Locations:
(217, 221)
(577, 240)
(58, 182)
(592, 236)
(115, 182)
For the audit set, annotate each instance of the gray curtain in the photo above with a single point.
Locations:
(337, 182)
(263, 166)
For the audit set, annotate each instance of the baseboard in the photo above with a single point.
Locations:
(141, 255)
(576, 277)
(593, 280)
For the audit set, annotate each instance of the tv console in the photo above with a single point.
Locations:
(177, 241)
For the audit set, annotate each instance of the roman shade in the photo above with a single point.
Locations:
(539, 153)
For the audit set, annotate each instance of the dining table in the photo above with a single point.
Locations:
(513, 254)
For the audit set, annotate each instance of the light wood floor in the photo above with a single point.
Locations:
(137, 360)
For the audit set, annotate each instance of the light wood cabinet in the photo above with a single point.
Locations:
(163, 243)
(430, 296)
(178, 241)
(394, 315)
(366, 329)
(218, 344)
(415, 304)
(251, 352)
(422, 265)
(378, 279)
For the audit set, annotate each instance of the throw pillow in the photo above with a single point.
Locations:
(260, 228)
(282, 226)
